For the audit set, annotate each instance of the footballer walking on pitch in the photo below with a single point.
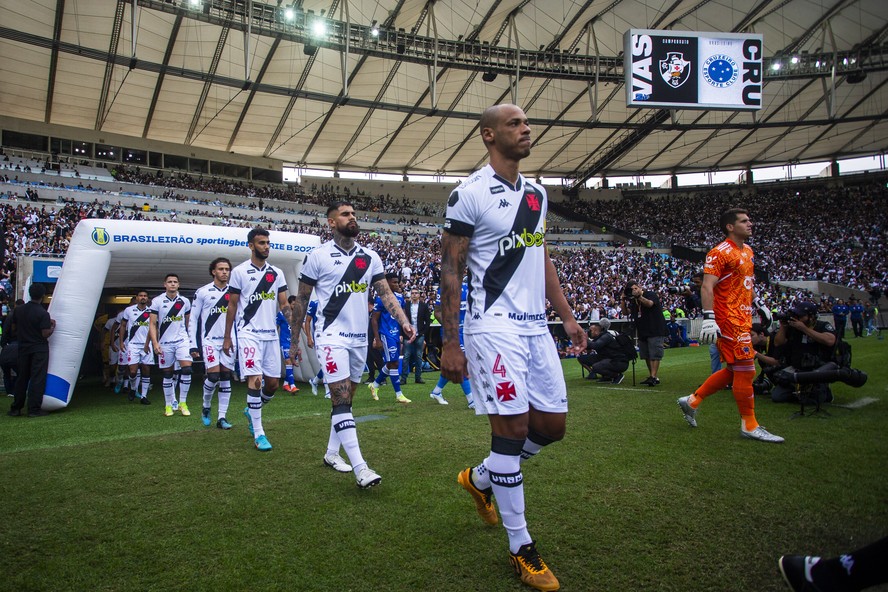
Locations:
(495, 224)
(728, 296)
(256, 290)
(210, 307)
(133, 338)
(341, 271)
(168, 334)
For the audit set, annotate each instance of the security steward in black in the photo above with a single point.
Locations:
(33, 326)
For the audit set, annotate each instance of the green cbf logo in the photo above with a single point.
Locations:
(101, 237)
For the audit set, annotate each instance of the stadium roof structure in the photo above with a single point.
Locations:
(398, 85)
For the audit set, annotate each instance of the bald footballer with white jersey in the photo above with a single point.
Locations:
(495, 224)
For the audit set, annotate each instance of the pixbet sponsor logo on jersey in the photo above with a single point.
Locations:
(219, 310)
(258, 296)
(349, 288)
(524, 239)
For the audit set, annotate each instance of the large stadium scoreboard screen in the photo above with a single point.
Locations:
(691, 70)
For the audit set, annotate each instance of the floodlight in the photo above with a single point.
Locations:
(318, 28)
(795, 59)
(290, 14)
(775, 66)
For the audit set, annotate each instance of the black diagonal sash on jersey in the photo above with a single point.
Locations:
(174, 311)
(218, 307)
(269, 276)
(503, 267)
(354, 272)
(142, 318)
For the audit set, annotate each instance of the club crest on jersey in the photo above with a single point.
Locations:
(269, 277)
(331, 367)
(249, 363)
(532, 201)
(361, 262)
(505, 391)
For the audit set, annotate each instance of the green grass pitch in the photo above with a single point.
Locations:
(111, 495)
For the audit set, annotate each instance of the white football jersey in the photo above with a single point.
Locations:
(136, 324)
(341, 280)
(506, 226)
(171, 315)
(258, 306)
(209, 307)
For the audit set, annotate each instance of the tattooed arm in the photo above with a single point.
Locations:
(297, 317)
(454, 249)
(393, 307)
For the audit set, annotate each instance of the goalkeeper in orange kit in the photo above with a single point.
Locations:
(727, 295)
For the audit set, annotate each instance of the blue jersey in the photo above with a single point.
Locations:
(312, 311)
(283, 330)
(388, 325)
(856, 312)
(840, 312)
(463, 307)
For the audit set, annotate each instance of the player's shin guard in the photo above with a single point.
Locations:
(169, 394)
(209, 386)
(254, 404)
(713, 384)
(533, 444)
(383, 373)
(291, 378)
(146, 385)
(744, 373)
(184, 383)
(224, 393)
(467, 388)
(395, 377)
(343, 423)
(507, 482)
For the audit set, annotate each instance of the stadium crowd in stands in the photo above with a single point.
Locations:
(843, 230)
(592, 278)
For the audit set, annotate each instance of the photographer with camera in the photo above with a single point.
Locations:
(808, 346)
(604, 356)
(691, 294)
(643, 307)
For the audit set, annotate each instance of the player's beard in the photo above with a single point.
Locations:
(350, 231)
(260, 255)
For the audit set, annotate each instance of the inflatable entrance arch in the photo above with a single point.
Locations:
(131, 254)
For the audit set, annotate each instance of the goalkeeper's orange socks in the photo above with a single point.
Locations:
(743, 395)
(713, 384)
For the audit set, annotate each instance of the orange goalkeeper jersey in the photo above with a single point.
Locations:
(733, 266)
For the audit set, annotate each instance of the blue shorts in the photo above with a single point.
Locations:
(391, 346)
